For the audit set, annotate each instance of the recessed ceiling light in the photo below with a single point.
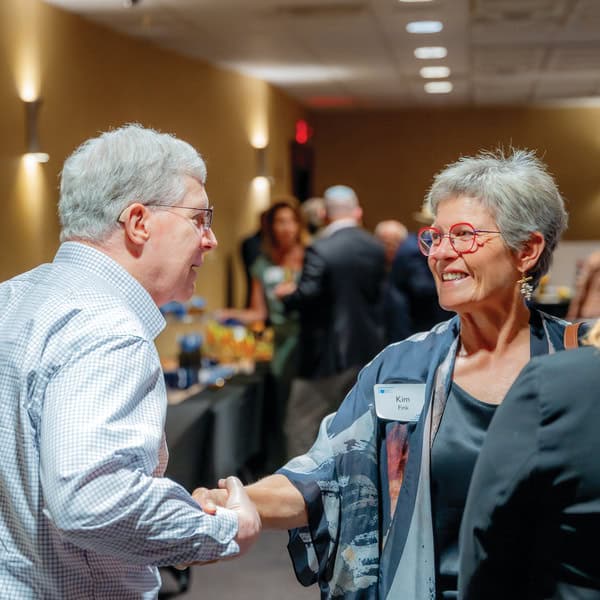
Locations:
(426, 52)
(297, 74)
(438, 87)
(424, 26)
(434, 72)
(407, 1)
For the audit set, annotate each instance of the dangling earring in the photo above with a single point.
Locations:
(526, 288)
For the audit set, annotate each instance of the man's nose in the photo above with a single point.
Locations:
(209, 240)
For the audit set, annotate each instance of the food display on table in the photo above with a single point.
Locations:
(231, 342)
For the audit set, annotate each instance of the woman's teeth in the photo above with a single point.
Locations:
(452, 276)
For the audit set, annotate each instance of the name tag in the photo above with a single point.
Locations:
(273, 275)
(399, 401)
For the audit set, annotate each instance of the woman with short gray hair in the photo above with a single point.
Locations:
(517, 189)
(375, 505)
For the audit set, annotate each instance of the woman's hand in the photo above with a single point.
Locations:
(285, 288)
(210, 499)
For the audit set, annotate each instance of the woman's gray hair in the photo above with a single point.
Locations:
(108, 173)
(517, 189)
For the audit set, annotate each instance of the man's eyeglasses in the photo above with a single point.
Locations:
(202, 220)
(462, 236)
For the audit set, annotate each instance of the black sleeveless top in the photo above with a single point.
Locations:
(453, 455)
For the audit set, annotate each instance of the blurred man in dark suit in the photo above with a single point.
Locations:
(338, 297)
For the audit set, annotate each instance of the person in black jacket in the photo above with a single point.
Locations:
(250, 250)
(341, 329)
(411, 300)
(532, 520)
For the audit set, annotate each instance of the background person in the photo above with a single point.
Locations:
(394, 306)
(280, 261)
(586, 301)
(85, 511)
(314, 212)
(411, 301)
(391, 234)
(532, 517)
(250, 249)
(337, 296)
(375, 505)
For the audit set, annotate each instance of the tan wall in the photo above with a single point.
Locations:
(390, 157)
(90, 80)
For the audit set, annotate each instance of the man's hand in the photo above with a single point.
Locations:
(249, 523)
(231, 495)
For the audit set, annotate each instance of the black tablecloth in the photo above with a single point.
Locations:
(216, 432)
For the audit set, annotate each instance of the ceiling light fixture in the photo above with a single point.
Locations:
(408, 1)
(434, 72)
(438, 87)
(296, 74)
(424, 26)
(428, 52)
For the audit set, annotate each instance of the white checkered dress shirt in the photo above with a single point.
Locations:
(84, 511)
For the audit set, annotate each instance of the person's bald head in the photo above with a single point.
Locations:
(392, 234)
(341, 202)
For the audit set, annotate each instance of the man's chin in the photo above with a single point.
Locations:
(184, 297)
(185, 293)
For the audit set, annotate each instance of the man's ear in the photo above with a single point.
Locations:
(135, 223)
(531, 251)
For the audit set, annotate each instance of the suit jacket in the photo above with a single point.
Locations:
(532, 520)
(250, 250)
(338, 297)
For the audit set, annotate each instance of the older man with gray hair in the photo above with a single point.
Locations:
(338, 298)
(85, 511)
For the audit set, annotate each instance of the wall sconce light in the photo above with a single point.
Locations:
(262, 178)
(261, 162)
(261, 182)
(33, 150)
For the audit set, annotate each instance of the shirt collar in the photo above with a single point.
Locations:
(103, 266)
(337, 225)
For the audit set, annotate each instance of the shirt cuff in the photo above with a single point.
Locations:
(226, 531)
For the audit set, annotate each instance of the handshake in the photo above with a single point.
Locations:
(231, 495)
(273, 502)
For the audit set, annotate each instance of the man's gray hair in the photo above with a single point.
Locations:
(108, 173)
(340, 201)
(519, 192)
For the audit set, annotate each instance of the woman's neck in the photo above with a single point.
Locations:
(493, 329)
(289, 256)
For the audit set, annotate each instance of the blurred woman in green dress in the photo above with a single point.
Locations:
(284, 239)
